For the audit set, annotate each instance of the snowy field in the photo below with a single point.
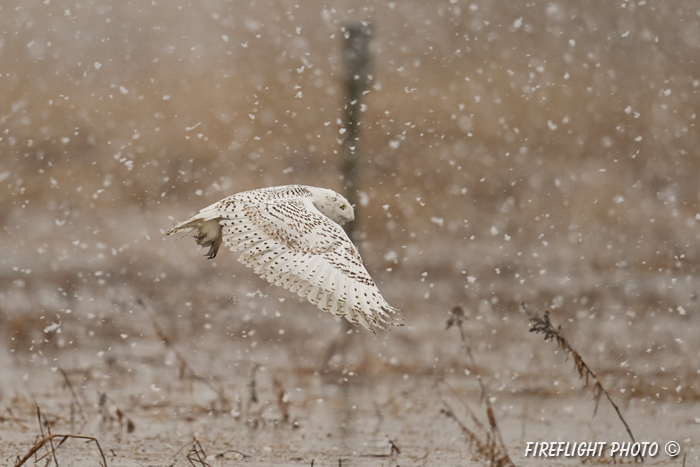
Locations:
(544, 154)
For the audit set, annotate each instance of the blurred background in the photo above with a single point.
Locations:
(544, 152)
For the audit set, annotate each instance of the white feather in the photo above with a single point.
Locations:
(289, 236)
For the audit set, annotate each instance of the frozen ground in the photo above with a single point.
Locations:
(195, 349)
(275, 402)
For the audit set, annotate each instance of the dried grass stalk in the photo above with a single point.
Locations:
(544, 326)
(486, 443)
(197, 454)
(48, 440)
(75, 402)
(113, 412)
(185, 369)
(282, 400)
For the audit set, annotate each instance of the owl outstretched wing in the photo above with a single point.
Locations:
(290, 243)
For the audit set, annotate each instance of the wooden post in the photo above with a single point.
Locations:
(357, 62)
(357, 37)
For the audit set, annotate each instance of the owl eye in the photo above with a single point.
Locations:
(342, 208)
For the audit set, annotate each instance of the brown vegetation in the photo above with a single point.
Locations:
(544, 153)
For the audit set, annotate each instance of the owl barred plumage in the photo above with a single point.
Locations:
(291, 237)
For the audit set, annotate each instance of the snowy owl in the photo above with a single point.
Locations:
(290, 235)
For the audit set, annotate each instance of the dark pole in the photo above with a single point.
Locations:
(357, 62)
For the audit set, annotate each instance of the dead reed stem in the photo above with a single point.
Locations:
(75, 401)
(124, 420)
(14, 419)
(252, 385)
(41, 431)
(184, 367)
(47, 441)
(282, 400)
(197, 454)
(544, 326)
(488, 443)
(394, 447)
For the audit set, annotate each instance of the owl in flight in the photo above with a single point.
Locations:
(291, 236)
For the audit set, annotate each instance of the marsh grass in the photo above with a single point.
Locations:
(110, 413)
(46, 441)
(486, 442)
(543, 325)
(75, 405)
(196, 455)
(186, 371)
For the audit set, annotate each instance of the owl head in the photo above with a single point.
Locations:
(332, 205)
